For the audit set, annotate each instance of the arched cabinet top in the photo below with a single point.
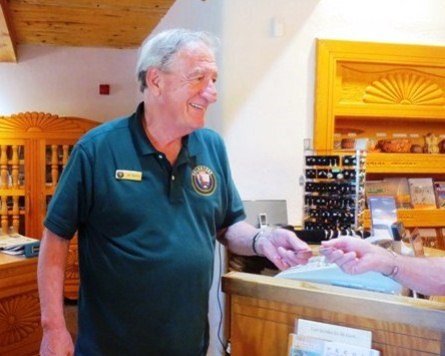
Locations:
(39, 123)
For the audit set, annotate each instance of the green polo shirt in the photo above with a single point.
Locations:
(146, 233)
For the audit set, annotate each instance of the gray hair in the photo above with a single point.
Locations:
(158, 51)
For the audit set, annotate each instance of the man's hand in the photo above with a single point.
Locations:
(57, 343)
(283, 248)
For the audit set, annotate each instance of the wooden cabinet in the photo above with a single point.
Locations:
(383, 91)
(34, 149)
(263, 311)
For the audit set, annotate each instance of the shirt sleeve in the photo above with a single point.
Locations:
(70, 204)
(235, 209)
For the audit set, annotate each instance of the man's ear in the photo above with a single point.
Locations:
(153, 80)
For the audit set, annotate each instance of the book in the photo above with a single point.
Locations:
(383, 211)
(376, 188)
(422, 193)
(399, 188)
(395, 187)
(439, 191)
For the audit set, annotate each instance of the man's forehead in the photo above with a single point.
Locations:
(196, 60)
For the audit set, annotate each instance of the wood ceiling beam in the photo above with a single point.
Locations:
(134, 5)
(8, 50)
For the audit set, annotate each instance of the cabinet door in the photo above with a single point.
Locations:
(14, 200)
(54, 154)
(34, 149)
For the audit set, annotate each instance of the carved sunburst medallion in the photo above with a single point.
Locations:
(405, 89)
(37, 122)
(19, 318)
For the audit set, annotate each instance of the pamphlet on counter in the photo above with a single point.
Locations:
(19, 245)
(321, 339)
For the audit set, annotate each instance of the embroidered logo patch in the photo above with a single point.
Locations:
(203, 180)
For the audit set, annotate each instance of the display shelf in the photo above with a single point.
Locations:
(414, 218)
(384, 111)
(385, 91)
(403, 164)
(334, 190)
(409, 163)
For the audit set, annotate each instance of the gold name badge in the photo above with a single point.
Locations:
(122, 174)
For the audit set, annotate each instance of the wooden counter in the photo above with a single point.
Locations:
(20, 331)
(263, 311)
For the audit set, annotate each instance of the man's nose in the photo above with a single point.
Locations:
(209, 92)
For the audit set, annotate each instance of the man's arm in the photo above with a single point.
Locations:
(355, 255)
(51, 276)
(424, 275)
(280, 246)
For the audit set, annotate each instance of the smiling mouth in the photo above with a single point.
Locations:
(196, 106)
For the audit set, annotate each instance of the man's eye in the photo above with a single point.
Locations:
(197, 78)
(201, 78)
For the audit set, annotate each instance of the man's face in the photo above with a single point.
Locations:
(188, 88)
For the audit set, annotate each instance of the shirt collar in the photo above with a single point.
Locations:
(189, 150)
(141, 142)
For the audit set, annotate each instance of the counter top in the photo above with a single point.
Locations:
(400, 309)
(6, 259)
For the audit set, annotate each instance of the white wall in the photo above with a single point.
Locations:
(65, 81)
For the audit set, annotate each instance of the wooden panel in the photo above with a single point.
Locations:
(153, 5)
(269, 337)
(86, 23)
(378, 81)
(264, 310)
(415, 218)
(405, 163)
(20, 331)
(8, 51)
(40, 125)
